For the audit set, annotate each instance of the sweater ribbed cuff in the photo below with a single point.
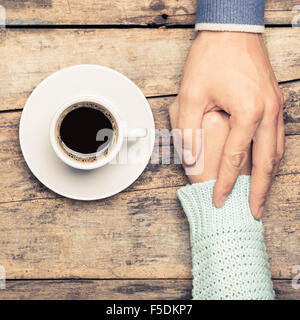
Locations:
(228, 251)
(231, 15)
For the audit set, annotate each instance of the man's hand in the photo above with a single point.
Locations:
(231, 71)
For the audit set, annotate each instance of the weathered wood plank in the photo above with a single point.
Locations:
(153, 58)
(285, 291)
(122, 12)
(155, 289)
(17, 182)
(291, 92)
(98, 289)
(141, 234)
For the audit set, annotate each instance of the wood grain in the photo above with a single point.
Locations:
(153, 58)
(154, 289)
(141, 234)
(17, 183)
(98, 289)
(291, 93)
(117, 12)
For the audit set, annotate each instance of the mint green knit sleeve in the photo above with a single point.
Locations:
(229, 256)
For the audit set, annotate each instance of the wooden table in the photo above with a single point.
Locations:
(134, 245)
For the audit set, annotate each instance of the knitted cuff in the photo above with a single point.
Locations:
(228, 251)
(231, 15)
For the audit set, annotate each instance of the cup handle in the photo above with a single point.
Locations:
(138, 133)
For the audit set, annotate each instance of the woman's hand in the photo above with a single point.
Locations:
(230, 71)
(216, 128)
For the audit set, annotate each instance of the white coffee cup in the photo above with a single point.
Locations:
(101, 158)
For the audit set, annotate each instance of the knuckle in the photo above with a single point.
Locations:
(236, 160)
(269, 166)
(273, 106)
(254, 115)
(214, 120)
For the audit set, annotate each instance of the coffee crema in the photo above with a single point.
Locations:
(86, 131)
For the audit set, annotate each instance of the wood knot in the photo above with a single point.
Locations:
(157, 5)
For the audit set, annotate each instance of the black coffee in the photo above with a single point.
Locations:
(79, 127)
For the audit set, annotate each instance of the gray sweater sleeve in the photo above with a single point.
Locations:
(231, 15)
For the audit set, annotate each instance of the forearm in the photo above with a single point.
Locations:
(231, 15)
(228, 250)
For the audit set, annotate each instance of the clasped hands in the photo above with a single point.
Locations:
(231, 72)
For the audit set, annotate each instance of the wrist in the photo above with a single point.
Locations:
(228, 40)
(227, 35)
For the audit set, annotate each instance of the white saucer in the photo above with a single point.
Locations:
(46, 98)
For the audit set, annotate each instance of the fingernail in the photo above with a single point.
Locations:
(220, 201)
(260, 212)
